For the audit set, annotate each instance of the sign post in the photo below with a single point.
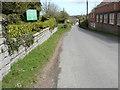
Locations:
(31, 14)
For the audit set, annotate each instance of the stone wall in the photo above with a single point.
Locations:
(6, 60)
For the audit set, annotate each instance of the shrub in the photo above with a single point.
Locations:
(44, 17)
(4, 26)
(83, 24)
(52, 23)
(28, 39)
(18, 30)
(65, 26)
(23, 34)
(19, 35)
(13, 18)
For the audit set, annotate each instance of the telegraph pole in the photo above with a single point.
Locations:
(87, 11)
(64, 14)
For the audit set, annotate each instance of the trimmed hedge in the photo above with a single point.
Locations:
(44, 18)
(18, 30)
(14, 18)
(51, 23)
(22, 34)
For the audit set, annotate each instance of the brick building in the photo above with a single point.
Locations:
(106, 17)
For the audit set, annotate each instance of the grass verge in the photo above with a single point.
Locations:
(24, 73)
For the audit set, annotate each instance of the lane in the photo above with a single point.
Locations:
(88, 60)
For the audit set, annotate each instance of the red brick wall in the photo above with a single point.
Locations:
(115, 17)
(107, 28)
(109, 8)
(90, 18)
(118, 6)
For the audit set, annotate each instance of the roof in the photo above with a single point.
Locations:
(93, 10)
(102, 4)
(105, 2)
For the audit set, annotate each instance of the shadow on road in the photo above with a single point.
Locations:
(102, 36)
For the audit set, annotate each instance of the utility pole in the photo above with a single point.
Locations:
(87, 11)
(64, 14)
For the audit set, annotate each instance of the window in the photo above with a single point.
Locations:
(94, 25)
(97, 18)
(111, 18)
(101, 16)
(114, 6)
(91, 24)
(105, 18)
(93, 15)
(118, 19)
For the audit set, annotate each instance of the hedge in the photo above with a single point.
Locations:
(22, 34)
(18, 30)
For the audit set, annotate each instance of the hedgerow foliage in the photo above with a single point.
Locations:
(17, 35)
(18, 9)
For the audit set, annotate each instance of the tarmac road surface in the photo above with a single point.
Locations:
(88, 60)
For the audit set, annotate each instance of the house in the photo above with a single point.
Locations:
(106, 17)
(92, 18)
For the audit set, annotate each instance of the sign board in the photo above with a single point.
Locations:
(31, 14)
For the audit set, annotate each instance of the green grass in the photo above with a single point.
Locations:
(0, 85)
(24, 73)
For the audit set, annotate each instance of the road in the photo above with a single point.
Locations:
(88, 60)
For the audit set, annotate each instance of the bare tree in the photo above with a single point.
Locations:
(49, 8)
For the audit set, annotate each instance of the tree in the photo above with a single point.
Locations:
(62, 16)
(50, 9)
(20, 8)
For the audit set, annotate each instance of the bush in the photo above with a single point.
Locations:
(4, 26)
(15, 31)
(28, 39)
(23, 34)
(51, 23)
(83, 24)
(65, 26)
(19, 35)
(13, 18)
(18, 30)
(44, 17)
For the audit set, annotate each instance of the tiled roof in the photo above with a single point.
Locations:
(105, 2)
(102, 4)
(93, 10)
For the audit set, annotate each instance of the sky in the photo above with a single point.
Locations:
(76, 7)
